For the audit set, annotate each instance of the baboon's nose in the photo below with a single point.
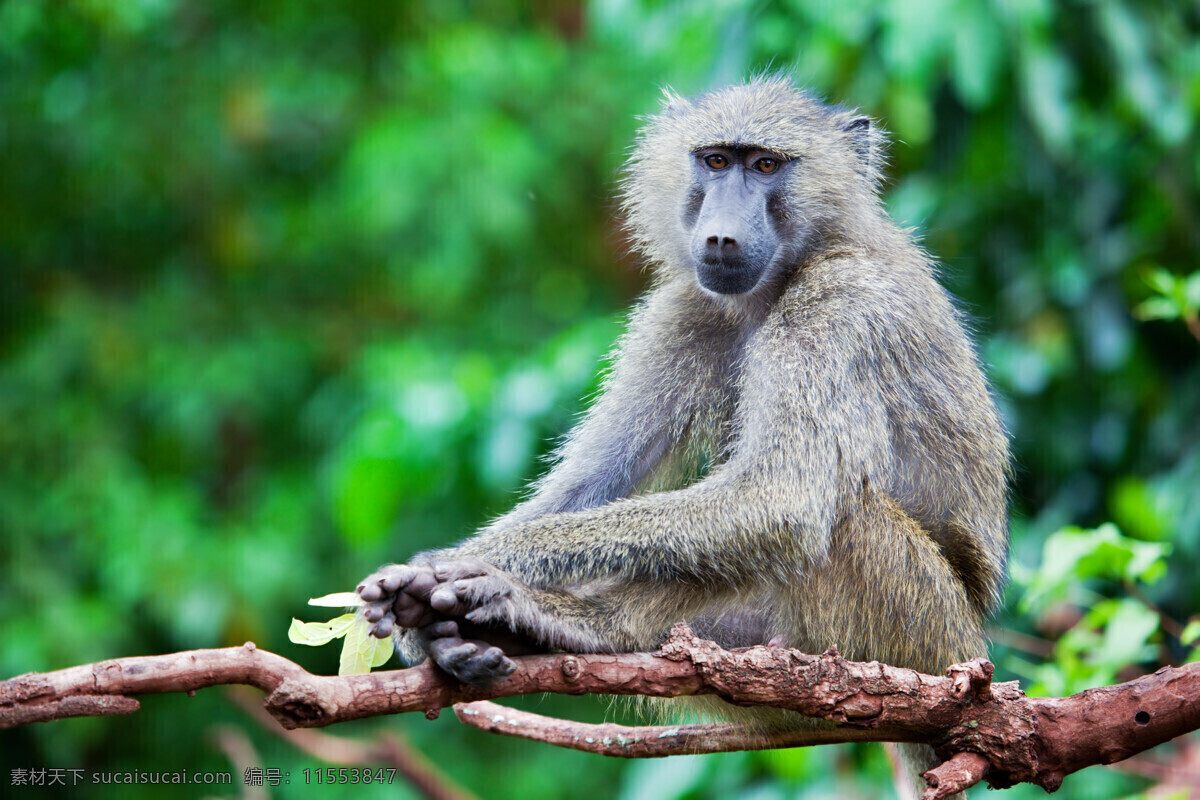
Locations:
(722, 246)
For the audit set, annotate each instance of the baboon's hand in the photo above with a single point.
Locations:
(474, 594)
(398, 595)
(450, 606)
(472, 661)
(474, 590)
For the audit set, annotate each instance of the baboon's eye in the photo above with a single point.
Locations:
(716, 161)
(766, 165)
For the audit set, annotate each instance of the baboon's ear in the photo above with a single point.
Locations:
(859, 129)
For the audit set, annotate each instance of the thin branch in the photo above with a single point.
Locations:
(646, 741)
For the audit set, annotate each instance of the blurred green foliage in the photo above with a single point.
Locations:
(1116, 631)
(288, 289)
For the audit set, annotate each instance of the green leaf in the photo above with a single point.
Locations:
(337, 600)
(315, 634)
(1072, 555)
(1191, 290)
(1156, 308)
(1160, 280)
(361, 651)
(1128, 630)
(1191, 632)
(1143, 509)
(384, 650)
(1177, 296)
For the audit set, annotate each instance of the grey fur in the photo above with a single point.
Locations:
(857, 470)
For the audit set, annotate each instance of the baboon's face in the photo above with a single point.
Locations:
(733, 213)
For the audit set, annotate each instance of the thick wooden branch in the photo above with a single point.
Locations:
(963, 715)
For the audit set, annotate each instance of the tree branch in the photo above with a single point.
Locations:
(646, 741)
(982, 730)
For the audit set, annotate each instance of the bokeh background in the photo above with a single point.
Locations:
(292, 288)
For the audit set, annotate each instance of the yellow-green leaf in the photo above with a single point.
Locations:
(384, 649)
(337, 600)
(361, 650)
(315, 634)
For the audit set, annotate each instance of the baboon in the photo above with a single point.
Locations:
(795, 443)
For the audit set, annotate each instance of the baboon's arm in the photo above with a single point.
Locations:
(666, 370)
